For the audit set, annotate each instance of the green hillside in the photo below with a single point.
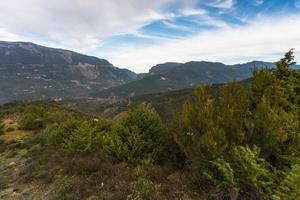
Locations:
(228, 141)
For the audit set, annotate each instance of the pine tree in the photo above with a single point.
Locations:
(283, 66)
(137, 138)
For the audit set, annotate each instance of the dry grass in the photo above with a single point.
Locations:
(13, 133)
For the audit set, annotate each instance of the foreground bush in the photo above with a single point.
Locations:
(137, 138)
(289, 187)
(76, 135)
(31, 122)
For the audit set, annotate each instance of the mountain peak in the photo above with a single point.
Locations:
(30, 53)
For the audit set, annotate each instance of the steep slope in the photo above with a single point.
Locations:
(30, 71)
(175, 76)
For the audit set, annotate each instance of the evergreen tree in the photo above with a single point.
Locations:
(137, 138)
(283, 66)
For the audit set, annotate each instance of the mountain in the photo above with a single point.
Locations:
(29, 71)
(176, 76)
(163, 68)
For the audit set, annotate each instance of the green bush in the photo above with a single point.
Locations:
(81, 138)
(137, 138)
(30, 121)
(241, 172)
(58, 134)
(251, 171)
(289, 187)
(76, 135)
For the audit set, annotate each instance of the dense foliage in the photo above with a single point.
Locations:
(137, 138)
(244, 136)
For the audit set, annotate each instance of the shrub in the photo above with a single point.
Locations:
(141, 189)
(289, 187)
(251, 172)
(242, 171)
(31, 122)
(58, 134)
(76, 135)
(137, 138)
(80, 139)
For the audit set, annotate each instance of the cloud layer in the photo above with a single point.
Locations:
(261, 40)
(141, 33)
(78, 24)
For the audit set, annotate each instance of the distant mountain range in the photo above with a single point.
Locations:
(29, 71)
(176, 76)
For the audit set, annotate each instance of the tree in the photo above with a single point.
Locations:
(222, 133)
(137, 138)
(199, 136)
(232, 112)
(289, 78)
(275, 110)
(211, 124)
(283, 66)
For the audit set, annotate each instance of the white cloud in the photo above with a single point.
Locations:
(261, 40)
(75, 24)
(192, 12)
(259, 2)
(222, 4)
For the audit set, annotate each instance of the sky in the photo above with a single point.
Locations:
(138, 34)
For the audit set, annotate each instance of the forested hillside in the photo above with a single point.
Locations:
(236, 141)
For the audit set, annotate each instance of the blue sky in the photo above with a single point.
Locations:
(138, 34)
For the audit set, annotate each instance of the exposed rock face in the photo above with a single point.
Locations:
(29, 71)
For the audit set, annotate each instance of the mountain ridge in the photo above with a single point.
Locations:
(172, 76)
(30, 71)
